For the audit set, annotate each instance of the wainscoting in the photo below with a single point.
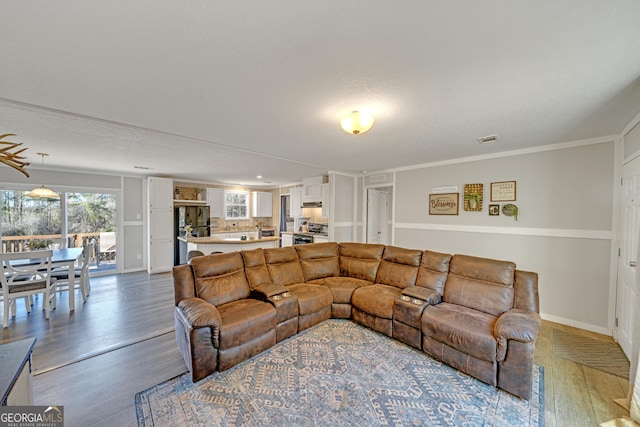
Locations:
(121, 341)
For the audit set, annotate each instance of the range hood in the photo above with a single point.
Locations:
(311, 204)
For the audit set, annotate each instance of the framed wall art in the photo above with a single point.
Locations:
(473, 197)
(443, 204)
(503, 191)
(494, 209)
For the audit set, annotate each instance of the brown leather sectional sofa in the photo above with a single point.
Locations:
(478, 315)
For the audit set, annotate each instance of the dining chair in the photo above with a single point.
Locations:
(25, 274)
(192, 254)
(81, 273)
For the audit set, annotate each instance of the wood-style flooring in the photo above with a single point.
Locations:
(94, 360)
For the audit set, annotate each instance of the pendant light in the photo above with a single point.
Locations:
(43, 192)
(357, 122)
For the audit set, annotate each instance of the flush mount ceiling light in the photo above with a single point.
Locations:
(43, 192)
(356, 122)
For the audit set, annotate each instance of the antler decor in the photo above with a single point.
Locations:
(13, 159)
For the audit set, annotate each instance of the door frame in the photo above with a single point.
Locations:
(369, 214)
(390, 187)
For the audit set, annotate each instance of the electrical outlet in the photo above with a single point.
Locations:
(139, 256)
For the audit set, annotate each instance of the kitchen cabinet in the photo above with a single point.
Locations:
(160, 193)
(16, 382)
(320, 239)
(215, 200)
(261, 204)
(296, 202)
(312, 190)
(326, 200)
(160, 224)
(287, 239)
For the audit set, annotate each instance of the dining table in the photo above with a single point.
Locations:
(65, 257)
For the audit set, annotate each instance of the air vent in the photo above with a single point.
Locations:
(143, 168)
(378, 178)
(487, 139)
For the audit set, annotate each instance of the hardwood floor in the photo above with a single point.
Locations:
(94, 360)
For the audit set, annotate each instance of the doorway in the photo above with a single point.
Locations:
(377, 215)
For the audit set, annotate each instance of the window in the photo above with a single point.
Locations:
(236, 204)
(71, 221)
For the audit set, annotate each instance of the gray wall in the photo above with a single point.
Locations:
(563, 231)
(342, 218)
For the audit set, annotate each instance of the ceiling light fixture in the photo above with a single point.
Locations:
(43, 192)
(356, 122)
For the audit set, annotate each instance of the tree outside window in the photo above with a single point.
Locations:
(236, 204)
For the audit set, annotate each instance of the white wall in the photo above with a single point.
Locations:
(564, 227)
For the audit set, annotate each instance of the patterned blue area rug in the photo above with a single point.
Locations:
(338, 373)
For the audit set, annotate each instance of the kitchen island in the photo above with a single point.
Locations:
(228, 244)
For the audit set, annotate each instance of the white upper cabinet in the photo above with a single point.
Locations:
(326, 200)
(296, 202)
(160, 191)
(312, 189)
(215, 200)
(261, 204)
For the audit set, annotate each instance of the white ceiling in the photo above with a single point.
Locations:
(217, 91)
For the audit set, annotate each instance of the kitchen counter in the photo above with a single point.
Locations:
(246, 230)
(229, 244)
(225, 240)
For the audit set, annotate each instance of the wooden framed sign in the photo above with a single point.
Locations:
(443, 204)
(503, 191)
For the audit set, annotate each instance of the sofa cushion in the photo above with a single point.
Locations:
(399, 267)
(376, 300)
(220, 278)
(311, 298)
(480, 283)
(245, 320)
(255, 267)
(433, 271)
(342, 287)
(360, 260)
(466, 330)
(283, 265)
(318, 260)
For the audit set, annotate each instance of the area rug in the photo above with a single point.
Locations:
(338, 373)
(596, 354)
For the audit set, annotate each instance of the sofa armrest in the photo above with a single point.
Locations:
(516, 324)
(427, 295)
(200, 314)
(267, 290)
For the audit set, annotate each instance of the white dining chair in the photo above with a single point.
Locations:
(80, 273)
(25, 274)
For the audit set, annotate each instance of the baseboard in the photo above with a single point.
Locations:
(576, 324)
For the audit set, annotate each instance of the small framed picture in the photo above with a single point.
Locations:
(494, 210)
(504, 191)
(443, 204)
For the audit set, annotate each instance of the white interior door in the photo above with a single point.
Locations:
(628, 259)
(377, 216)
